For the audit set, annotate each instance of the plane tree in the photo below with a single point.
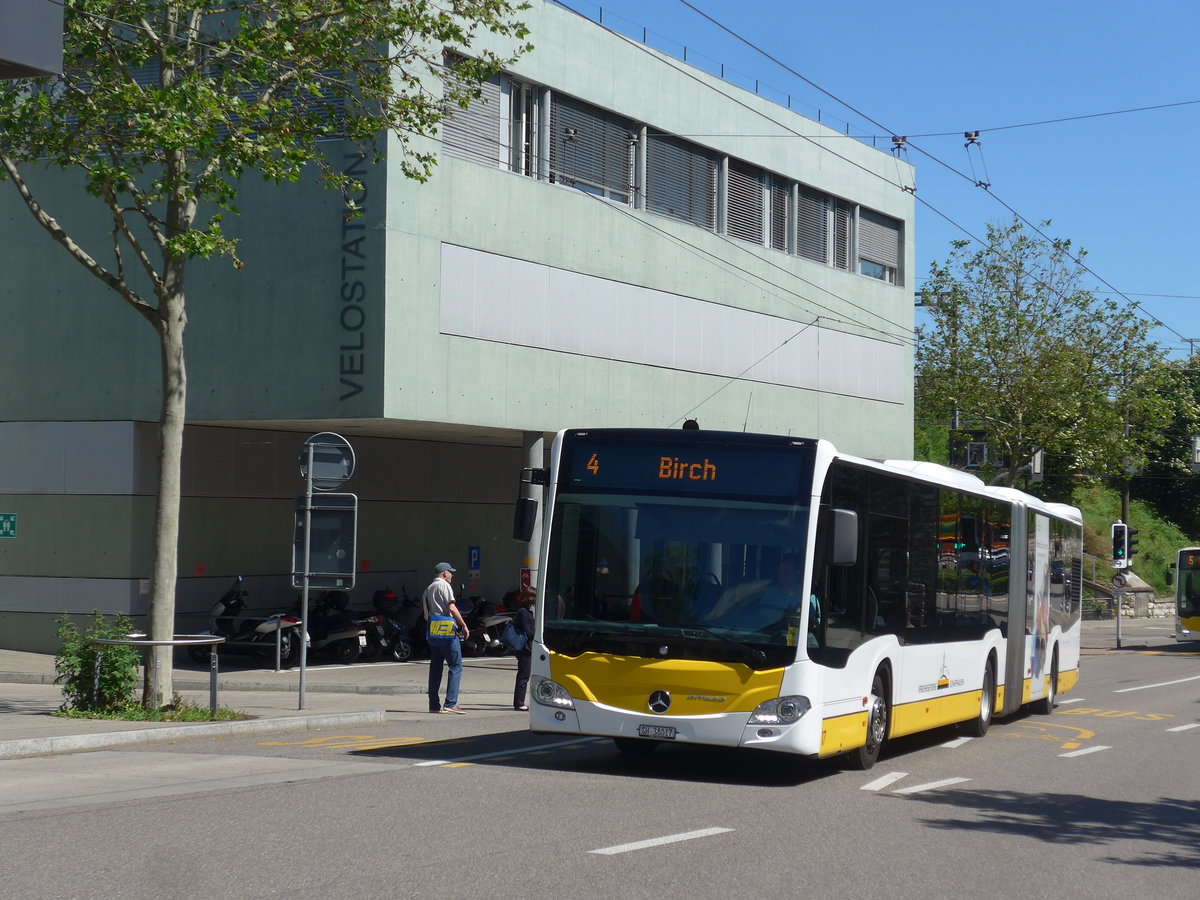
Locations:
(1015, 346)
(164, 105)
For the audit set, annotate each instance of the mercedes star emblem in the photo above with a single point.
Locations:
(660, 702)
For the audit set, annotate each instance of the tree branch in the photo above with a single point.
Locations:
(81, 256)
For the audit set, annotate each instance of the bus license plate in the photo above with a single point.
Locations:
(660, 732)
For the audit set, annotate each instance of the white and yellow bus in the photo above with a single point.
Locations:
(1187, 594)
(770, 592)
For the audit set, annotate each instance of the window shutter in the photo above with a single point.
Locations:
(681, 181)
(878, 238)
(591, 148)
(843, 214)
(474, 133)
(745, 203)
(779, 192)
(813, 237)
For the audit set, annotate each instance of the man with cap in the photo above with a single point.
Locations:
(438, 600)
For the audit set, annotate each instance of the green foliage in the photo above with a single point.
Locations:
(1018, 348)
(1158, 539)
(75, 665)
(180, 710)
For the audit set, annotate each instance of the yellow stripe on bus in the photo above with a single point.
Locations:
(1191, 623)
(697, 687)
(933, 712)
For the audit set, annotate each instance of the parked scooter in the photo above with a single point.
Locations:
(332, 629)
(410, 618)
(485, 621)
(255, 636)
(386, 637)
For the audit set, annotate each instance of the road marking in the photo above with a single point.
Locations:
(1085, 751)
(1185, 727)
(1072, 700)
(1146, 687)
(931, 786)
(880, 783)
(957, 742)
(659, 841)
(496, 753)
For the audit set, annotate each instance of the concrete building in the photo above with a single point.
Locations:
(614, 238)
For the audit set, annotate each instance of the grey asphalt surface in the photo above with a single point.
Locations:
(334, 695)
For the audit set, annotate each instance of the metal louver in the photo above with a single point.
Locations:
(744, 207)
(778, 193)
(474, 133)
(813, 232)
(591, 148)
(681, 181)
(878, 238)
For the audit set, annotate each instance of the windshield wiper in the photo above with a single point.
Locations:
(751, 654)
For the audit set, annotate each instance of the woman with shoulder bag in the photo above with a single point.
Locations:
(523, 623)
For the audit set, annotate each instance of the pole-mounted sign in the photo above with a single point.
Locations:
(326, 526)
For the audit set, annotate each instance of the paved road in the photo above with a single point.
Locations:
(1099, 800)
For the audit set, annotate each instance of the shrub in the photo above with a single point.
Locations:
(75, 664)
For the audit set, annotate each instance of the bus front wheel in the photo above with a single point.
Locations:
(877, 726)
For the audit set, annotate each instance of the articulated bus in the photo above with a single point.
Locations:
(1187, 594)
(770, 592)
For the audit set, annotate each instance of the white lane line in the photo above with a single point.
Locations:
(1185, 727)
(931, 786)
(1072, 700)
(1146, 687)
(494, 753)
(1085, 751)
(957, 742)
(659, 841)
(880, 783)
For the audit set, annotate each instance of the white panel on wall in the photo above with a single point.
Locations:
(590, 316)
(67, 458)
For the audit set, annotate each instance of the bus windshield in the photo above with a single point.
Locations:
(675, 576)
(1187, 594)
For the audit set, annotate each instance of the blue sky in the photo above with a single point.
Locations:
(1121, 186)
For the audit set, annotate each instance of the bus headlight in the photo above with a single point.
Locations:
(783, 711)
(551, 693)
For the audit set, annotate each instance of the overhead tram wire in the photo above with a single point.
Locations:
(935, 159)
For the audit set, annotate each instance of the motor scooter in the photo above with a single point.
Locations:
(252, 635)
(386, 637)
(332, 630)
(485, 622)
(410, 618)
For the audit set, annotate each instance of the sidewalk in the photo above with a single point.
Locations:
(333, 696)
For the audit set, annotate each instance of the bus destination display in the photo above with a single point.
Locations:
(780, 473)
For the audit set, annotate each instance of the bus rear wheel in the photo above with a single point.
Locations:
(1045, 706)
(877, 726)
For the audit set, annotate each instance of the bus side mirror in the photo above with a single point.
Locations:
(843, 542)
(1170, 575)
(524, 517)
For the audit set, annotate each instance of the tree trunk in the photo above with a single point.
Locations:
(159, 688)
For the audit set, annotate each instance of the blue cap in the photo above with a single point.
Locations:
(443, 567)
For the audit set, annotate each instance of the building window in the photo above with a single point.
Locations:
(681, 181)
(812, 240)
(523, 144)
(779, 191)
(591, 149)
(878, 246)
(479, 132)
(745, 207)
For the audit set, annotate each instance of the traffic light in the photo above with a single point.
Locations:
(1130, 543)
(1120, 545)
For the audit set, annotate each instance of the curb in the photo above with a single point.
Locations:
(72, 742)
